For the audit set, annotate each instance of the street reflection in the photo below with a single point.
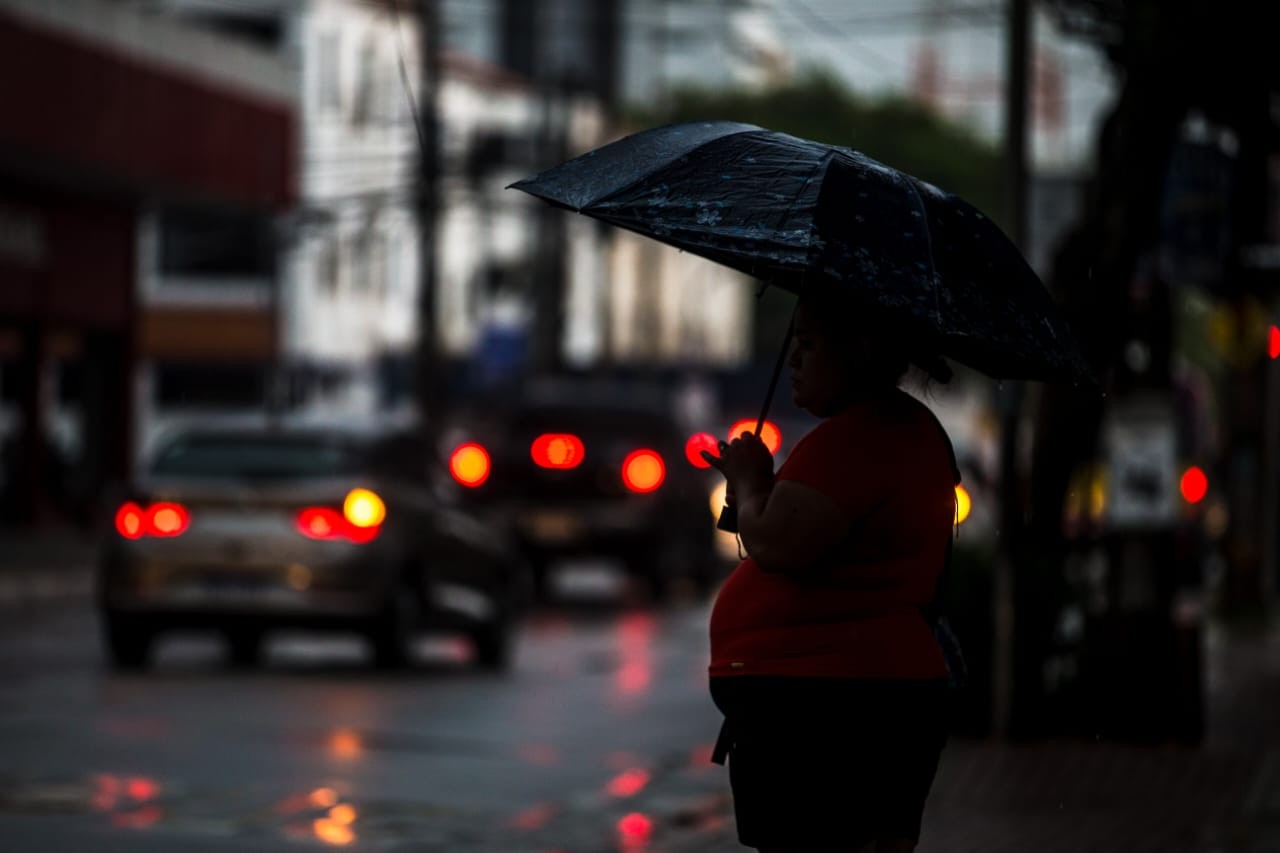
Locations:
(127, 799)
(635, 831)
(628, 783)
(323, 798)
(635, 641)
(334, 833)
(535, 817)
(540, 754)
(345, 744)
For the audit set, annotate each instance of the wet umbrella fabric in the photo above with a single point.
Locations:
(797, 213)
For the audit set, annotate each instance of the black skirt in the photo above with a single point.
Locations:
(829, 763)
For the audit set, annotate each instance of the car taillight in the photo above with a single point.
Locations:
(770, 435)
(359, 520)
(697, 443)
(557, 450)
(469, 465)
(1194, 485)
(163, 520)
(643, 471)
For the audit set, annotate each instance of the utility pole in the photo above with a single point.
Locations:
(1004, 670)
(429, 387)
(548, 297)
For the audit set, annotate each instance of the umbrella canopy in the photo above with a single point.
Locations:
(797, 213)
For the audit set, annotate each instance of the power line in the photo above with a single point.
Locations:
(820, 26)
(404, 77)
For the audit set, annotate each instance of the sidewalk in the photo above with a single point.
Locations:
(1070, 795)
(45, 565)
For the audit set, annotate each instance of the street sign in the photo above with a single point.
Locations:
(1142, 464)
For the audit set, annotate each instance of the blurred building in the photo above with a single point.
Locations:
(624, 51)
(639, 303)
(708, 44)
(496, 256)
(141, 167)
(346, 259)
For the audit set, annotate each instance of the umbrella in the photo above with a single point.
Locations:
(794, 213)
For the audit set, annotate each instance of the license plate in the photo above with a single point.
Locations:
(223, 590)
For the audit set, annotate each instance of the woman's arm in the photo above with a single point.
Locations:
(785, 526)
(788, 526)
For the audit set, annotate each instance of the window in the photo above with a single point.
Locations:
(378, 265)
(210, 385)
(367, 80)
(206, 243)
(257, 457)
(329, 73)
(327, 266)
(262, 29)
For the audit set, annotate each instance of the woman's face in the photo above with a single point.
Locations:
(818, 380)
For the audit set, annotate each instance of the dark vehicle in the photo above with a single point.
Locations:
(245, 530)
(593, 470)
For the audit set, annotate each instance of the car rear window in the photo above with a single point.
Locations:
(257, 458)
(632, 426)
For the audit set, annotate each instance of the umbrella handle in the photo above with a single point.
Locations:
(728, 520)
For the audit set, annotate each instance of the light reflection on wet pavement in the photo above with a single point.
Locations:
(597, 740)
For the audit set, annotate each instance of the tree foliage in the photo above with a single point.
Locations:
(892, 129)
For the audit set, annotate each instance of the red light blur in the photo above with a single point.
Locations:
(770, 435)
(1194, 485)
(470, 465)
(327, 524)
(129, 521)
(643, 471)
(535, 817)
(167, 520)
(697, 443)
(557, 450)
(162, 519)
(635, 828)
(140, 788)
(629, 783)
(1273, 342)
(142, 818)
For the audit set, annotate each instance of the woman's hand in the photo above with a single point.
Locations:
(746, 463)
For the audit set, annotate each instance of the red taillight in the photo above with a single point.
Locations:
(164, 520)
(557, 450)
(1194, 485)
(129, 521)
(697, 443)
(1273, 342)
(643, 471)
(770, 435)
(469, 465)
(167, 519)
(331, 525)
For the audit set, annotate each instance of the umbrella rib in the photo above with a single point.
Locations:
(823, 164)
(634, 181)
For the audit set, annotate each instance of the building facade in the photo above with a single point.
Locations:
(130, 146)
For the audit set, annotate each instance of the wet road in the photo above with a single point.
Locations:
(597, 739)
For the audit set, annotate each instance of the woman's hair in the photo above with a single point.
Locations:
(873, 345)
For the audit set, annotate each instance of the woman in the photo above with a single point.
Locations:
(822, 658)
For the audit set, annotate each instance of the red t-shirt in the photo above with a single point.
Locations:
(857, 614)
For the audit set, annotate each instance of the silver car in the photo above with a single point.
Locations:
(244, 530)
